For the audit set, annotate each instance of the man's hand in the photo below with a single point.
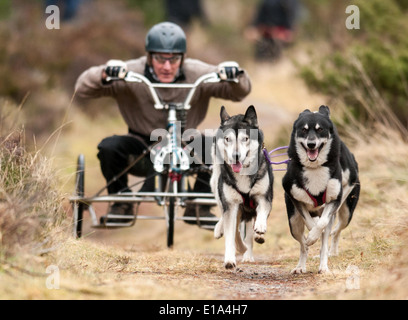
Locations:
(229, 71)
(114, 69)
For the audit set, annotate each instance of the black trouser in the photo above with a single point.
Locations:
(115, 153)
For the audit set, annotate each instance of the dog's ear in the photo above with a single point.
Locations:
(251, 117)
(224, 115)
(306, 111)
(325, 111)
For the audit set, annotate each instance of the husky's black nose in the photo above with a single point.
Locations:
(236, 155)
(311, 144)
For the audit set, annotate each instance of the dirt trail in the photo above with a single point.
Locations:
(263, 280)
(269, 277)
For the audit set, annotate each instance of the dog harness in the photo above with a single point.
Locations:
(317, 201)
(269, 155)
(247, 201)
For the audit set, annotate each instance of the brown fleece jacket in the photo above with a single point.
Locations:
(137, 106)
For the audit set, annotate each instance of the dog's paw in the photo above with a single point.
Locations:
(218, 230)
(298, 270)
(230, 265)
(259, 238)
(313, 236)
(248, 257)
(218, 235)
(324, 270)
(260, 228)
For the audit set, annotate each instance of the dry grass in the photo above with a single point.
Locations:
(31, 210)
(135, 264)
(383, 209)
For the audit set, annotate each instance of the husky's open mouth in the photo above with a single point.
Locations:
(236, 167)
(313, 154)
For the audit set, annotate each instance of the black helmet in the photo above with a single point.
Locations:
(166, 37)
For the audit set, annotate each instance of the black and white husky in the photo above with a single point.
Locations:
(321, 181)
(242, 182)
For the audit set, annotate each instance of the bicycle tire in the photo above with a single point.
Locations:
(170, 223)
(170, 219)
(78, 206)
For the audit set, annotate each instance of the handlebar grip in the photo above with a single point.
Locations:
(110, 79)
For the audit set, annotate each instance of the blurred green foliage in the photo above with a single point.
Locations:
(403, 4)
(5, 8)
(39, 66)
(366, 65)
(153, 10)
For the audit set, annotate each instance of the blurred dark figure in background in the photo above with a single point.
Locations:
(68, 8)
(273, 27)
(182, 12)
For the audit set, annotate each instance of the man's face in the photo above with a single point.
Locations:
(166, 66)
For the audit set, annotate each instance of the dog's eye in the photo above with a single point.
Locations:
(245, 139)
(319, 130)
(305, 130)
(227, 139)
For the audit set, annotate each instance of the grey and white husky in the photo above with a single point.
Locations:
(321, 182)
(242, 182)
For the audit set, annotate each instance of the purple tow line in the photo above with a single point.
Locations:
(269, 155)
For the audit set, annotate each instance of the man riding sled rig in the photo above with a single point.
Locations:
(165, 62)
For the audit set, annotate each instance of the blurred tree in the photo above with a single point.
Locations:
(153, 10)
(5, 8)
(370, 66)
(403, 4)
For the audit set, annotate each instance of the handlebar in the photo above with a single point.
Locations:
(131, 76)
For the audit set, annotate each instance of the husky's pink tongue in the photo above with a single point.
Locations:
(236, 167)
(313, 154)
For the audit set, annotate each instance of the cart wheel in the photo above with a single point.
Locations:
(78, 207)
(170, 219)
(170, 223)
